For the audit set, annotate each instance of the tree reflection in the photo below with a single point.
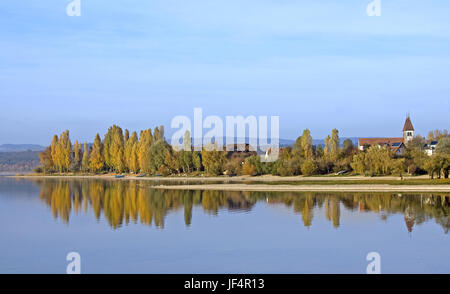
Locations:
(122, 202)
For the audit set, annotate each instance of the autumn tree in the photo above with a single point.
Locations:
(96, 161)
(331, 150)
(143, 150)
(61, 152)
(85, 159)
(437, 135)
(53, 148)
(376, 161)
(308, 167)
(131, 156)
(46, 160)
(213, 160)
(114, 149)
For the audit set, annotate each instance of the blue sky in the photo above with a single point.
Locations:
(316, 64)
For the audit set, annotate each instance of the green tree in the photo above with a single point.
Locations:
(415, 155)
(398, 167)
(347, 147)
(77, 157)
(443, 147)
(196, 160)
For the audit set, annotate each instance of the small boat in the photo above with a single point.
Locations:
(119, 176)
(140, 175)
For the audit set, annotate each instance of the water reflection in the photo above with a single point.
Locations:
(122, 202)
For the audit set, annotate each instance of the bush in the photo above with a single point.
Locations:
(249, 169)
(308, 167)
(163, 170)
(413, 169)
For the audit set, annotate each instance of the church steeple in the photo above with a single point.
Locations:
(408, 130)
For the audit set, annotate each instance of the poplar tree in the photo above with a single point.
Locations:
(114, 149)
(185, 155)
(306, 143)
(85, 160)
(96, 162)
(62, 152)
(131, 158)
(54, 151)
(156, 134)
(134, 160)
(77, 155)
(332, 143)
(196, 160)
(117, 151)
(144, 145)
(66, 150)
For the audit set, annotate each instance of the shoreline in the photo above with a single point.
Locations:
(310, 188)
(269, 183)
(263, 178)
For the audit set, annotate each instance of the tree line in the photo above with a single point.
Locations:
(150, 154)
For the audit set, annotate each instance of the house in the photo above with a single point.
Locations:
(430, 149)
(397, 145)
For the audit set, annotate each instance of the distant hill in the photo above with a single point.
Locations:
(290, 142)
(22, 161)
(20, 147)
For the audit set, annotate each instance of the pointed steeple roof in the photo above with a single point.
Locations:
(408, 125)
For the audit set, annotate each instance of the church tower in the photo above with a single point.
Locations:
(408, 130)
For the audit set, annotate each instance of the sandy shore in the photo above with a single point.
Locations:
(264, 178)
(310, 188)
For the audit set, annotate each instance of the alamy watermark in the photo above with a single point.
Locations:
(374, 267)
(235, 135)
(374, 8)
(74, 8)
(74, 266)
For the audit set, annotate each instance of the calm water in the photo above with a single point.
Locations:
(127, 227)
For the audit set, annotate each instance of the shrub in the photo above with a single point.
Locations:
(308, 167)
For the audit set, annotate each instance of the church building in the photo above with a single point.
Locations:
(396, 144)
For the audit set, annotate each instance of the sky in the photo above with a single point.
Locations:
(315, 64)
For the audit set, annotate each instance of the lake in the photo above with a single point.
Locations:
(128, 227)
